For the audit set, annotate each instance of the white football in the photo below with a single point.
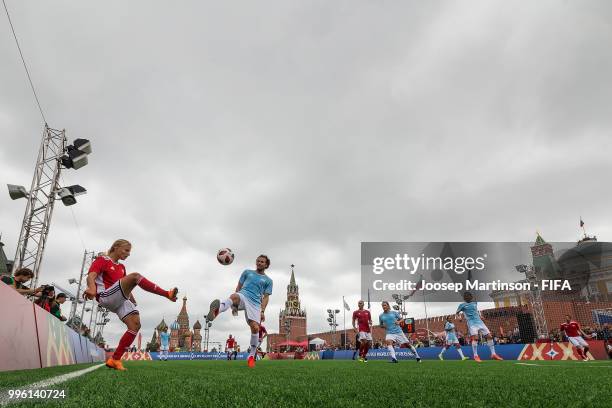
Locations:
(225, 256)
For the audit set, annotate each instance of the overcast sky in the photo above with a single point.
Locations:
(300, 129)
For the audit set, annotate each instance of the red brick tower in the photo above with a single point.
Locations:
(292, 318)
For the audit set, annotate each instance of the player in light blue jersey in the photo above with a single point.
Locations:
(475, 325)
(390, 320)
(164, 338)
(451, 339)
(252, 294)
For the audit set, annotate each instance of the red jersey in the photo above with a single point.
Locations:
(571, 329)
(363, 318)
(108, 272)
(230, 343)
(262, 331)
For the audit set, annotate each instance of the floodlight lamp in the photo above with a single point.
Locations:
(329, 319)
(83, 145)
(395, 307)
(68, 194)
(337, 311)
(74, 158)
(72, 280)
(395, 296)
(17, 191)
(328, 310)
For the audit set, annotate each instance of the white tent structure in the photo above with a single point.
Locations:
(316, 343)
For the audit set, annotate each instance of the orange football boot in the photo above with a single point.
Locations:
(115, 364)
(172, 294)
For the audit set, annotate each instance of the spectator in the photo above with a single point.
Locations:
(47, 297)
(55, 306)
(17, 281)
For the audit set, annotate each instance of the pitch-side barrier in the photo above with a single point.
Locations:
(30, 337)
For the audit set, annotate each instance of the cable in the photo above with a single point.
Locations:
(24, 63)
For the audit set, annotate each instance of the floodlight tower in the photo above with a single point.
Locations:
(535, 299)
(53, 155)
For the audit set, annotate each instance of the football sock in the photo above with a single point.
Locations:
(125, 342)
(366, 347)
(491, 346)
(585, 351)
(580, 352)
(475, 347)
(226, 304)
(460, 352)
(254, 341)
(416, 353)
(391, 351)
(443, 350)
(149, 286)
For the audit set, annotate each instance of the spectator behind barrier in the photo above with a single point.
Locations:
(47, 297)
(55, 306)
(21, 276)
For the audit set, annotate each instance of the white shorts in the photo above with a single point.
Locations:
(475, 328)
(452, 340)
(578, 341)
(251, 311)
(229, 350)
(114, 300)
(163, 348)
(399, 338)
(365, 336)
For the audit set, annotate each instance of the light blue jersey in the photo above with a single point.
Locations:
(450, 332)
(470, 310)
(165, 338)
(389, 321)
(255, 285)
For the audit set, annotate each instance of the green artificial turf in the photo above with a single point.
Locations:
(10, 379)
(343, 384)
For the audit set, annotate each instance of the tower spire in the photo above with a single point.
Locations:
(292, 281)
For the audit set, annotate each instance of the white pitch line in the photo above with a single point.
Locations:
(44, 384)
(527, 364)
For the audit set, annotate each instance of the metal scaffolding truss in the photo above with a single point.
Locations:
(41, 198)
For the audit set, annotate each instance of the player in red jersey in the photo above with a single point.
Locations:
(364, 321)
(230, 347)
(575, 336)
(109, 284)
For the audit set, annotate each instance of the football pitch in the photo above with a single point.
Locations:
(329, 384)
